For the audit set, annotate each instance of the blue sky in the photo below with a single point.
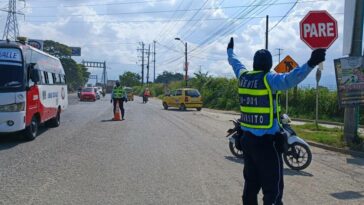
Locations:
(111, 31)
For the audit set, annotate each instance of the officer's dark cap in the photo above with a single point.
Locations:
(262, 60)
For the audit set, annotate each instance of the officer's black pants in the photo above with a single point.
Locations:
(121, 106)
(263, 169)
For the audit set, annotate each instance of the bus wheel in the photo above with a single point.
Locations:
(31, 131)
(56, 121)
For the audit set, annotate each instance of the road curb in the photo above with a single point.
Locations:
(323, 122)
(335, 149)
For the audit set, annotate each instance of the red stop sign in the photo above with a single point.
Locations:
(318, 29)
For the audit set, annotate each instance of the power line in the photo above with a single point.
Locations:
(222, 27)
(173, 20)
(227, 30)
(284, 16)
(170, 11)
(166, 27)
(103, 4)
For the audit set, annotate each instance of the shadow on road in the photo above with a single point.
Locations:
(111, 120)
(178, 110)
(8, 141)
(347, 195)
(291, 172)
(235, 159)
(356, 161)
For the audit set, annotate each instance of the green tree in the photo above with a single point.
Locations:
(129, 79)
(200, 79)
(76, 74)
(85, 73)
(57, 49)
(73, 72)
(167, 77)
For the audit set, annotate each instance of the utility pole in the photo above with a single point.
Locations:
(279, 60)
(186, 65)
(11, 30)
(351, 115)
(186, 61)
(142, 71)
(266, 31)
(154, 53)
(148, 64)
(104, 75)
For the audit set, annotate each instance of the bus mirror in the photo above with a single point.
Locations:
(34, 75)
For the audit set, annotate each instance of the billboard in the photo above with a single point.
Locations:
(38, 44)
(350, 80)
(76, 51)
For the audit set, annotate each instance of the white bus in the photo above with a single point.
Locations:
(32, 89)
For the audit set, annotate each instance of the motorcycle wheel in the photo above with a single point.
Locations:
(298, 156)
(237, 153)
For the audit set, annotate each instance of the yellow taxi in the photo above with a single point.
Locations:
(183, 98)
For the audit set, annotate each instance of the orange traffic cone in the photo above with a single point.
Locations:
(117, 113)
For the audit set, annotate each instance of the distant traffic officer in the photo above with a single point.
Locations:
(262, 142)
(119, 95)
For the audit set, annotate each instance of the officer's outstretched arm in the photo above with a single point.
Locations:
(285, 81)
(237, 66)
(289, 80)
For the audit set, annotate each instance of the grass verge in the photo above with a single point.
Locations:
(329, 136)
(324, 135)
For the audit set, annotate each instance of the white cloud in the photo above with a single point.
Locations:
(85, 26)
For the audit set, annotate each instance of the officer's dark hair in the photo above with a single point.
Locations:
(262, 60)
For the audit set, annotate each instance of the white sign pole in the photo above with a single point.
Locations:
(318, 77)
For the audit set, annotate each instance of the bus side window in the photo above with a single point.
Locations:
(50, 79)
(46, 80)
(64, 79)
(42, 78)
(55, 80)
(59, 79)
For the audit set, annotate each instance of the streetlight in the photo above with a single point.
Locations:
(186, 63)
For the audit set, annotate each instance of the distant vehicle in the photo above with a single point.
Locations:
(88, 94)
(101, 91)
(33, 89)
(183, 98)
(98, 93)
(130, 93)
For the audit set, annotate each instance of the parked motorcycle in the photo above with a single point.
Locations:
(297, 154)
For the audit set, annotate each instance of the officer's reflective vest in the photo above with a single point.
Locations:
(257, 101)
(118, 92)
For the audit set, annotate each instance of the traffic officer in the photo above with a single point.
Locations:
(262, 142)
(119, 95)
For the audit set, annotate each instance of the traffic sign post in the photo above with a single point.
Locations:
(318, 29)
(285, 66)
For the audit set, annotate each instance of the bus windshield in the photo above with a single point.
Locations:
(11, 77)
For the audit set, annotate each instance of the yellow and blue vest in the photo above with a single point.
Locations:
(118, 92)
(257, 101)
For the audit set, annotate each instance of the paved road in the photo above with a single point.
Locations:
(154, 157)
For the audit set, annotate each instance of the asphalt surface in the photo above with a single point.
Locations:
(155, 156)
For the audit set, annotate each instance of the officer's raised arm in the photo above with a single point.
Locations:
(289, 80)
(237, 66)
